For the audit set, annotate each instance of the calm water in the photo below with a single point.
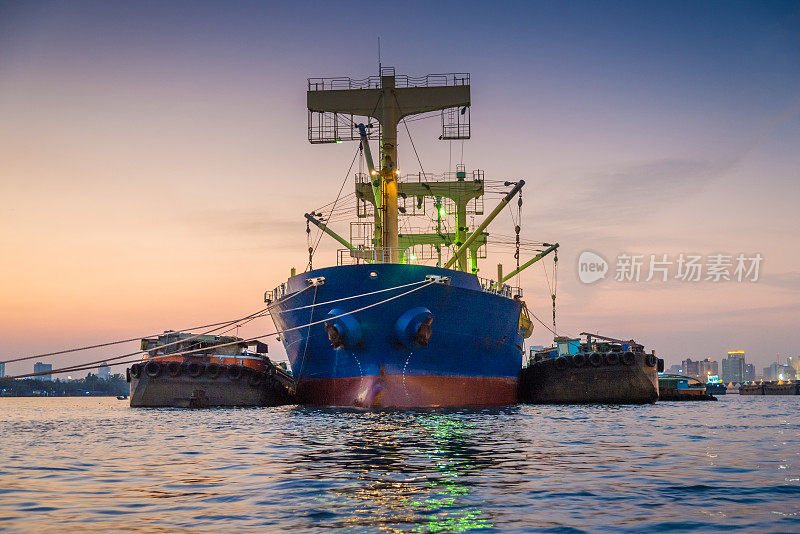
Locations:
(98, 465)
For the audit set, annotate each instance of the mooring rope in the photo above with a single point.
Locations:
(261, 313)
(308, 335)
(110, 343)
(95, 364)
(350, 297)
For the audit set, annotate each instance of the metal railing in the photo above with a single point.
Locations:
(402, 80)
(347, 256)
(384, 255)
(277, 293)
(419, 206)
(504, 290)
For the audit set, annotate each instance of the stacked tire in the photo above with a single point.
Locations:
(234, 373)
(595, 359)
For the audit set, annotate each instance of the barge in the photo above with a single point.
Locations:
(771, 388)
(186, 370)
(601, 370)
(682, 388)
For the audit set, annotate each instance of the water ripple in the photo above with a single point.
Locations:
(97, 465)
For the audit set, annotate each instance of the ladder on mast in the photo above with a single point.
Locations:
(388, 99)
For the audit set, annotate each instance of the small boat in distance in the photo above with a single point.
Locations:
(682, 388)
(187, 370)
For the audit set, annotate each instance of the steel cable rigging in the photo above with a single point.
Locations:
(95, 364)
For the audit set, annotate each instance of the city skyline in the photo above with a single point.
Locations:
(735, 369)
(157, 165)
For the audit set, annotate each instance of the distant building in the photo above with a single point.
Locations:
(40, 367)
(794, 362)
(749, 372)
(708, 368)
(104, 371)
(675, 370)
(700, 370)
(786, 372)
(770, 372)
(777, 371)
(2, 370)
(733, 366)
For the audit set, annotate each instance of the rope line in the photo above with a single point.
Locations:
(350, 297)
(243, 320)
(97, 363)
(110, 343)
(541, 323)
(544, 325)
(346, 176)
(308, 337)
(287, 298)
(93, 365)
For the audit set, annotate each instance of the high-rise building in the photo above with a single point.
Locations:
(733, 366)
(700, 370)
(786, 372)
(690, 368)
(675, 370)
(708, 368)
(749, 372)
(771, 372)
(2, 370)
(777, 371)
(40, 367)
(104, 371)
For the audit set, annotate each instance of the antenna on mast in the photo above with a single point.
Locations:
(379, 55)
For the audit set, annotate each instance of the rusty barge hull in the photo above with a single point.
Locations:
(770, 389)
(584, 380)
(224, 386)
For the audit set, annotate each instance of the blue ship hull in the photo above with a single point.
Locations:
(472, 356)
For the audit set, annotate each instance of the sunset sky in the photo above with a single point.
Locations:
(155, 168)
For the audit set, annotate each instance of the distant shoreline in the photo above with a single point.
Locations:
(91, 386)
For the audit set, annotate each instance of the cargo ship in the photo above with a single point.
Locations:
(185, 370)
(601, 370)
(403, 319)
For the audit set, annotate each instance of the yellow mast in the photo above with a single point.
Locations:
(388, 104)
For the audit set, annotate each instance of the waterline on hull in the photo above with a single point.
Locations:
(408, 391)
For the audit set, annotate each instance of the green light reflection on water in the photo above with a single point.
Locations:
(451, 438)
(408, 471)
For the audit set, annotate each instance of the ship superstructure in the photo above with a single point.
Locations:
(403, 320)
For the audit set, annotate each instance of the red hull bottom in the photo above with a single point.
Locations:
(398, 391)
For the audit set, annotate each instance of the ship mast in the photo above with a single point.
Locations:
(388, 103)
